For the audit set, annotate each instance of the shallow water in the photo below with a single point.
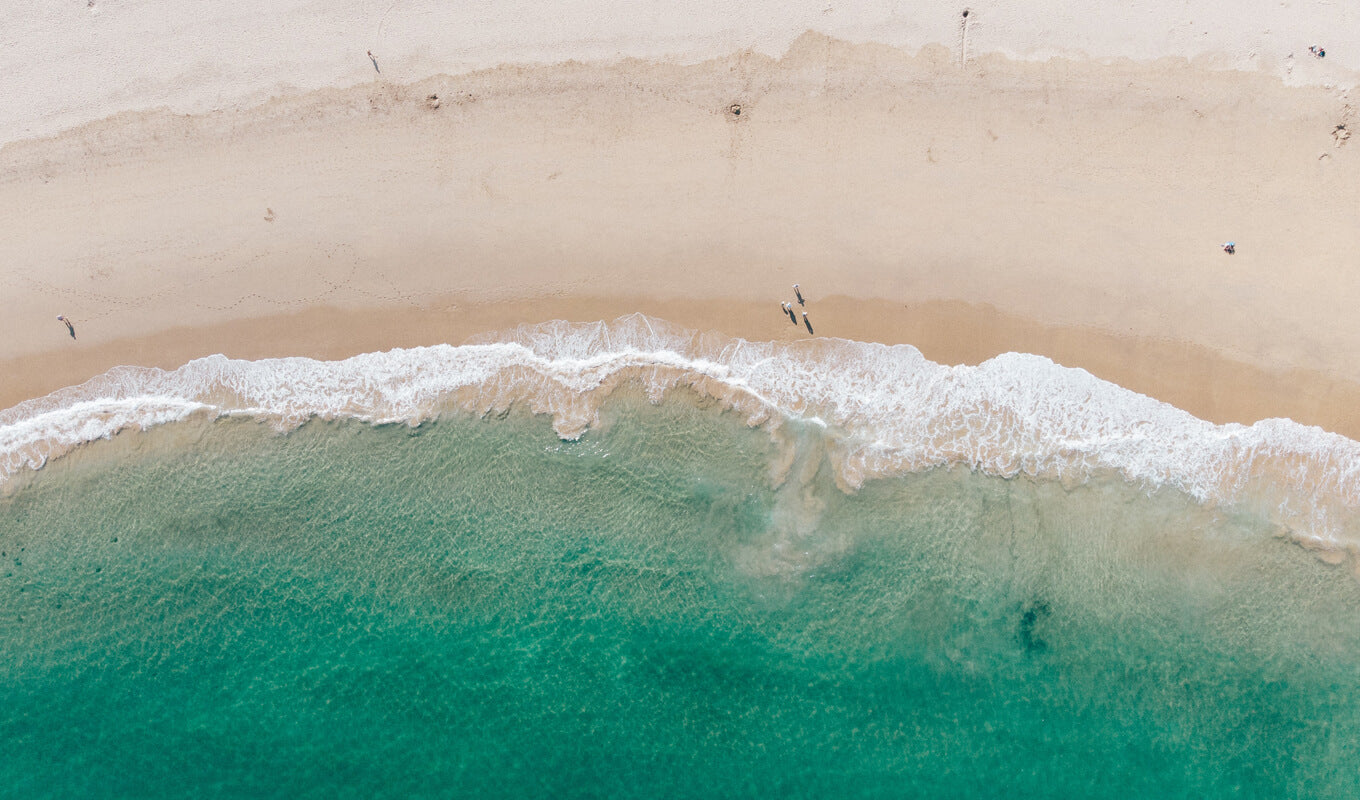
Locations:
(663, 608)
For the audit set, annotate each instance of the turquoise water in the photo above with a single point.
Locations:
(475, 608)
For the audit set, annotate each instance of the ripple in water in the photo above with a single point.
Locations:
(673, 605)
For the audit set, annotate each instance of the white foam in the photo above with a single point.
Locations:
(887, 410)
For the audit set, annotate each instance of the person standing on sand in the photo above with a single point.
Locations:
(797, 293)
(69, 327)
(807, 323)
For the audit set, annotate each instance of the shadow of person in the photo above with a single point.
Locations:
(375, 62)
(808, 323)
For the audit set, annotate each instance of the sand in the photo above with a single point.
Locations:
(70, 63)
(1070, 207)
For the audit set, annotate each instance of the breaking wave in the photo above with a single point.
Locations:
(887, 410)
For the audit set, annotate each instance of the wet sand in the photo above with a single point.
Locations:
(1187, 376)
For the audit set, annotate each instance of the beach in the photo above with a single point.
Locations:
(401, 399)
(971, 211)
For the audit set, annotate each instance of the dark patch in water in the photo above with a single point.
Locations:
(1032, 615)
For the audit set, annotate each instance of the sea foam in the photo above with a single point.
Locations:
(887, 410)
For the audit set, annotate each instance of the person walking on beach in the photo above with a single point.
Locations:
(374, 60)
(1230, 247)
(69, 327)
(797, 293)
(807, 323)
(788, 309)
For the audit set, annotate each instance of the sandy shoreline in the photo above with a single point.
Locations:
(1187, 376)
(1070, 208)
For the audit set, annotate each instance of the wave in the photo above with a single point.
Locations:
(887, 410)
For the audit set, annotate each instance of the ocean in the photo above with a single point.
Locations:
(628, 560)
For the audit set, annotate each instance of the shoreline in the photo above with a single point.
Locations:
(890, 411)
(1070, 209)
(1191, 378)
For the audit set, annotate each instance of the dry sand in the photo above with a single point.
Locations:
(74, 62)
(1071, 208)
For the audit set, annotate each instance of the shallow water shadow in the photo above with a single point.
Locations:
(1031, 617)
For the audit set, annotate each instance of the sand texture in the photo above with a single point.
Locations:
(1072, 208)
(75, 62)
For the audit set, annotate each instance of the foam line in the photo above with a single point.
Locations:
(888, 410)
